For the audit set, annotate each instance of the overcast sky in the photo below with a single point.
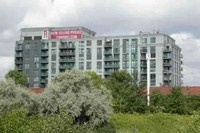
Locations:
(178, 18)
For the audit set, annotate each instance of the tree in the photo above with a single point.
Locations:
(71, 91)
(96, 80)
(127, 94)
(18, 77)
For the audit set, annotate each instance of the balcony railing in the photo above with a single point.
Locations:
(111, 66)
(167, 57)
(67, 53)
(167, 50)
(107, 52)
(18, 48)
(167, 71)
(44, 61)
(44, 67)
(18, 61)
(44, 54)
(67, 60)
(167, 64)
(44, 74)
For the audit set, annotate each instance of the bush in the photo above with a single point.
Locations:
(17, 121)
(73, 92)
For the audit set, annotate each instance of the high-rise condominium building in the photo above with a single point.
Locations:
(41, 53)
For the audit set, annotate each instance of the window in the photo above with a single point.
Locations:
(53, 44)
(27, 66)
(36, 73)
(37, 65)
(89, 54)
(37, 37)
(27, 46)
(99, 42)
(27, 38)
(81, 50)
(153, 79)
(89, 67)
(99, 65)
(99, 53)
(81, 66)
(81, 44)
(36, 59)
(89, 43)
(53, 70)
(152, 40)
(153, 65)
(144, 40)
(53, 51)
(125, 45)
(36, 79)
(53, 57)
(153, 51)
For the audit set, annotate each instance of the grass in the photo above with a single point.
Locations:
(149, 123)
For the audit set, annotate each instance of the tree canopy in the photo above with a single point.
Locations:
(18, 77)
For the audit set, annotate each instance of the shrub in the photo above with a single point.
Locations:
(73, 92)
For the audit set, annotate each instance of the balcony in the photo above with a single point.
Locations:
(108, 44)
(44, 81)
(116, 52)
(108, 59)
(181, 55)
(18, 55)
(44, 67)
(108, 72)
(143, 72)
(65, 67)
(18, 67)
(44, 74)
(167, 78)
(143, 50)
(44, 61)
(67, 46)
(66, 60)
(45, 48)
(111, 66)
(67, 53)
(143, 58)
(107, 52)
(143, 65)
(44, 54)
(18, 61)
(18, 48)
(116, 59)
(167, 50)
(167, 71)
(167, 56)
(167, 63)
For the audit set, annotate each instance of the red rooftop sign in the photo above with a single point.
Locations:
(66, 34)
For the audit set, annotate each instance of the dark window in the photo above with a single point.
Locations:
(99, 42)
(37, 37)
(27, 38)
(89, 42)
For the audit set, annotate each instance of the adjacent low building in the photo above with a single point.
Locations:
(41, 53)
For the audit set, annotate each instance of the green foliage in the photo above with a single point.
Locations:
(9, 95)
(18, 77)
(17, 121)
(127, 95)
(176, 102)
(96, 80)
(73, 92)
(149, 123)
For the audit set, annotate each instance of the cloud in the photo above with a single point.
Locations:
(6, 64)
(107, 17)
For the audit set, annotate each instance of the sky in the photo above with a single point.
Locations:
(178, 18)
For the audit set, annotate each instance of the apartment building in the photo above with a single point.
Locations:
(42, 53)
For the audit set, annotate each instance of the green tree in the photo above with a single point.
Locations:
(18, 77)
(96, 80)
(176, 101)
(73, 92)
(127, 94)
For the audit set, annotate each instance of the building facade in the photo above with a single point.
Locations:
(41, 53)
